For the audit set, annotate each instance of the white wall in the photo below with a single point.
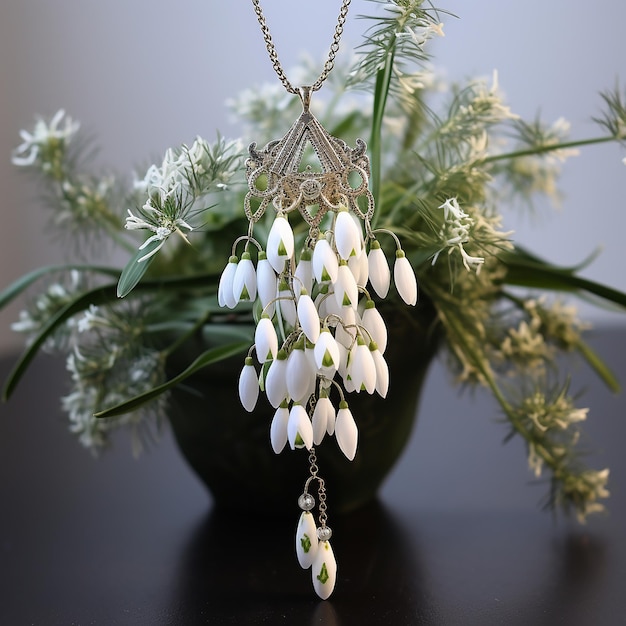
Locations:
(142, 76)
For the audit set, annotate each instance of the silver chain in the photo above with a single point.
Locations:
(271, 48)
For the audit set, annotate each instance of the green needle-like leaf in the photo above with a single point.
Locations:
(207, 358)
(22, 283)
(134, 270)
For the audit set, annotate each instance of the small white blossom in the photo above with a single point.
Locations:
(404, 278)
(267, 284)
(346, 431)
(308, 317)
(244, 280)
(225, 291)
(276, 380)
(280, 243)
(248, 386)
(325, 264)
(299, 428)
(27, 152)
(278, 428)
(379, 273)
(265, 340)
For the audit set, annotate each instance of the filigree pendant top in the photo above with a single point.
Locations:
(275, 173)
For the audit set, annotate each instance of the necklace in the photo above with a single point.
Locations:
(274, 173)
(313, 341)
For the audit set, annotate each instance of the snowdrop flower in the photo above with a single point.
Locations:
(267, 283)
(325, 264)
(244, 281)
(299, 376)
(248, 386)
(347, 235)
(379, 274)
(275, 381)
(346, 431)
(278, 428)
(323, 419)
(362, 369)
(382, 370)
(308, 317)
(286, 303)
(265, 340)
(404, 278)
(27, 152)
(326, 351)
(299, 428)
(303, 277)
(375, 326)
(280, 243)
(346, 290)
(225, 291)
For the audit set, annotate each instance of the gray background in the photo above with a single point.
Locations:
(142, 76)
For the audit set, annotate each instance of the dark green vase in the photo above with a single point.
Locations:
(230, 451)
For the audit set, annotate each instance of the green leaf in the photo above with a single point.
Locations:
(211, 356)
(543, 276)
(22, 283)
(134, 270)
(98, 296)
(599, 366)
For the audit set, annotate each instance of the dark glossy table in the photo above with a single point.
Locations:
(458, 536)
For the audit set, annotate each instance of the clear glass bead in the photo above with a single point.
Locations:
(306, 501)
(324, 533)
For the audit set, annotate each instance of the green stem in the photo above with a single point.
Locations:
(185, 336)
(550, 148)
(381, 91)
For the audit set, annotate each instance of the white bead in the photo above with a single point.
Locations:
(278, 429)
(306, 540)
(280, 243)
(225, 296)
(379, 274)
(265, 340)
(324, 570)
(299, 428)
(248, 386)
(404, 277)
(308, 317)
(346, 431)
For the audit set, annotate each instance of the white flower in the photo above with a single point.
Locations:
(347, 235)
(299, 376)
(28, 151)
(323, 419)
(359, 267)
(325, 264)
(280, 243)
(346, 290)
(346, 431)
(275, 381)
(326, 351)
(379, 274)
(303, 277)
(382, 370)
(267, 283)
(375, 326)
(159, 223)
(278, 428)
(244, 281)
(362, 369)
(265, 340)
(308, 317)
(299, 428)
(286, 303)
(248, 386)
(404, 278)
(91, 319)
(225, 292)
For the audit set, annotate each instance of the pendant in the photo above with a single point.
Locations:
(275, 173)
